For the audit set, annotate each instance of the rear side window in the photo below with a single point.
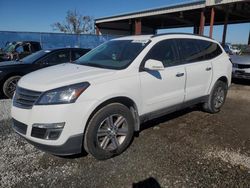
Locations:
(209, 49)
(193, 50)
(165, 52)
(189, 50)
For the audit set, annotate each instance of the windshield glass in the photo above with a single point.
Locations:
(116, 54)
(33, 57)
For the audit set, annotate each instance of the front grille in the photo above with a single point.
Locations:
(19, 127)
(38, 132)
(25, 98)
(243, 66)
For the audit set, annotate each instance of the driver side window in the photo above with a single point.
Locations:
(164, 51)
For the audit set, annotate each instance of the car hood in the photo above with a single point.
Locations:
(9, 63)
(62, 75)
(243, 60)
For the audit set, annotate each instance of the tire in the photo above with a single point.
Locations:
(109, 132)
(216, 98)
(9, 86)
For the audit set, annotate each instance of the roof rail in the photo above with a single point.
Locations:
(162, 34)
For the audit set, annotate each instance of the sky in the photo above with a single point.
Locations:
(38, 15)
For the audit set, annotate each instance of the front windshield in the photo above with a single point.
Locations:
(116, 54)
(33, 57)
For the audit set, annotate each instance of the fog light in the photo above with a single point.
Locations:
(47, 131)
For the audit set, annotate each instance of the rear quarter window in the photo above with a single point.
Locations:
(194, 50)
(209, 49)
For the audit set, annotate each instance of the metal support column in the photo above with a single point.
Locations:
(97, 30)
(211, 23)
(225, 28)
(249, 38)
(202, 23)
(196, 29)
(137, 26)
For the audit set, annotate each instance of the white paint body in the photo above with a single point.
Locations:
(148, 93)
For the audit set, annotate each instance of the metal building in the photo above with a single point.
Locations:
(196, 14)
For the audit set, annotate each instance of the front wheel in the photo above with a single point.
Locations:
(9, 86)
(216, 98)
(109, 132)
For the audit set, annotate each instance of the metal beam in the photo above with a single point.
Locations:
(179, 19)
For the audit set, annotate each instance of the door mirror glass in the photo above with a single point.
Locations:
(153, 64)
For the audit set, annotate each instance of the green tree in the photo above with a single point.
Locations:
(75, 23)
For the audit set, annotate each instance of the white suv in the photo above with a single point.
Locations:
(98, 102)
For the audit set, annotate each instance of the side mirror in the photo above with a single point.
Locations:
(154, 65)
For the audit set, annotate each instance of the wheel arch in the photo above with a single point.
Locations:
(122, 100)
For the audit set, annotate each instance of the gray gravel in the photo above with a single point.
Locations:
(185, 149)
(5, 109)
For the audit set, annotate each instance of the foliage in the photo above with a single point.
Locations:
(75, 23)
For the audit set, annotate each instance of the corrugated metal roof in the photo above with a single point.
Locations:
(195, 4)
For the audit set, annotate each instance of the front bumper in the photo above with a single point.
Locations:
(74, 115)
(73, 145)
(241, 73)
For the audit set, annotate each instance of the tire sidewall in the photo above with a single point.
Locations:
(90, 139)
(213, 96)
(5, 85)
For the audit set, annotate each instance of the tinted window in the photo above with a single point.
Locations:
(209, 49)
(35, 56)
(164, 51)
(57, 57)
(193, 50)
(189, 50)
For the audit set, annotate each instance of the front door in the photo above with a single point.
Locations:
(165, 88)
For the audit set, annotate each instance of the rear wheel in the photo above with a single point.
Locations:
(9, 86)
(109, 131)
(216, 98)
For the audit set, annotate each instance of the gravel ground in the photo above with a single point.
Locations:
(189, 148)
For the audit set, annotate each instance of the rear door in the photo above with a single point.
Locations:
(198, 67)
(162, 89)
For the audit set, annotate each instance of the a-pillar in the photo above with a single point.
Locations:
(225, 28)
(202, 23)
(211, 23)
(137, 26)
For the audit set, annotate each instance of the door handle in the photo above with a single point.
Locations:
(208, 69)
(180, 74)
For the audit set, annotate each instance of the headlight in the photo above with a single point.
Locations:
(63, 95)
